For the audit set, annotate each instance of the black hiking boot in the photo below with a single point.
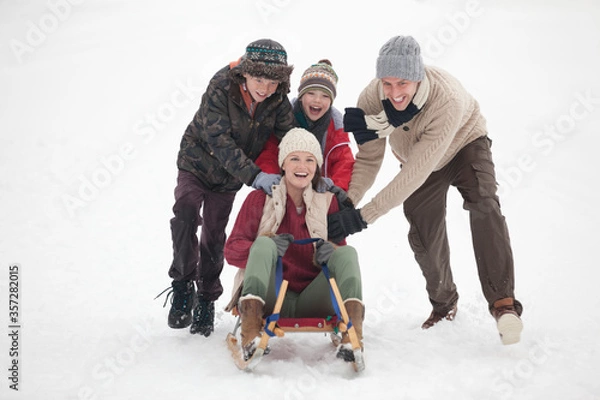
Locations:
(203, 318)
(182, 303)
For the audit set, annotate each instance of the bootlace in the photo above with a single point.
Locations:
(167, 297)
(179, 294)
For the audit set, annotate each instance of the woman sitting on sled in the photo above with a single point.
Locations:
(266, 228)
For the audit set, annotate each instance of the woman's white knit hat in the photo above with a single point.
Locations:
(299, 139)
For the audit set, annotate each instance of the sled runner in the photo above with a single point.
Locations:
(274, 325)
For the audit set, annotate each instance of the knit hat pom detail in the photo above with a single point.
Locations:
(319, 76)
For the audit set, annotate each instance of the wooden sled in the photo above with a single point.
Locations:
(279, 327)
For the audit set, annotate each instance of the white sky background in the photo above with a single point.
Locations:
(94, 98)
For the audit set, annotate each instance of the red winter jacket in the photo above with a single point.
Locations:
(338, 159)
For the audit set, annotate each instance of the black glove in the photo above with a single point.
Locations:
(365, 136)
(354, 120)
(343, 223)
(282, 241)
(324, 251)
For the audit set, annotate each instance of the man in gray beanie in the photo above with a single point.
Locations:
(436, 131)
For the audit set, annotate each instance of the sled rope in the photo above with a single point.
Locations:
(336, 306)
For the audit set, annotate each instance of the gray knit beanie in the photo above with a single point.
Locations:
(299, 139)
(400, 57)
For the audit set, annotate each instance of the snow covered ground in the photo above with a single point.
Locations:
(94, 98)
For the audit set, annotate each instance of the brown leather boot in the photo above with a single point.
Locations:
(437, 316)
(356, 313)
(508, 320)
(251, 310)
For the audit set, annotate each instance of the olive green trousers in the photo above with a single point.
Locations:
(315, 300)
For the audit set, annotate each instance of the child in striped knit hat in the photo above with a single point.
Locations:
(314, 112)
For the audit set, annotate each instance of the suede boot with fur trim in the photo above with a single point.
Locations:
(356, 312)
(251, 310)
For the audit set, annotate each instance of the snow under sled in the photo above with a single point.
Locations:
(276, 326)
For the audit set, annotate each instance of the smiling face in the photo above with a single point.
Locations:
(315, 104)
(299, 169)
(399, 92)
(260, 88)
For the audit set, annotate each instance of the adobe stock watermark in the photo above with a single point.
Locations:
(268, 9)
(15, 330)
(459, 22)
(36, 33)
(106, 371)
(388, 302)
(545, 141)
(504, 386)
(307, 384)
(109, 167)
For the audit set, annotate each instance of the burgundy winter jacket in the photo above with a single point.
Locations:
(298, 266)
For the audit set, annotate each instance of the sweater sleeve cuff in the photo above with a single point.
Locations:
(369, 213)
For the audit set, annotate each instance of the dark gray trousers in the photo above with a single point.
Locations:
(203, 261)
(472, 172)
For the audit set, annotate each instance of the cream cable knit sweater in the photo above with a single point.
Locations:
(449, 120)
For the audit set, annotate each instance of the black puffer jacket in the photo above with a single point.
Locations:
(221, 143)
